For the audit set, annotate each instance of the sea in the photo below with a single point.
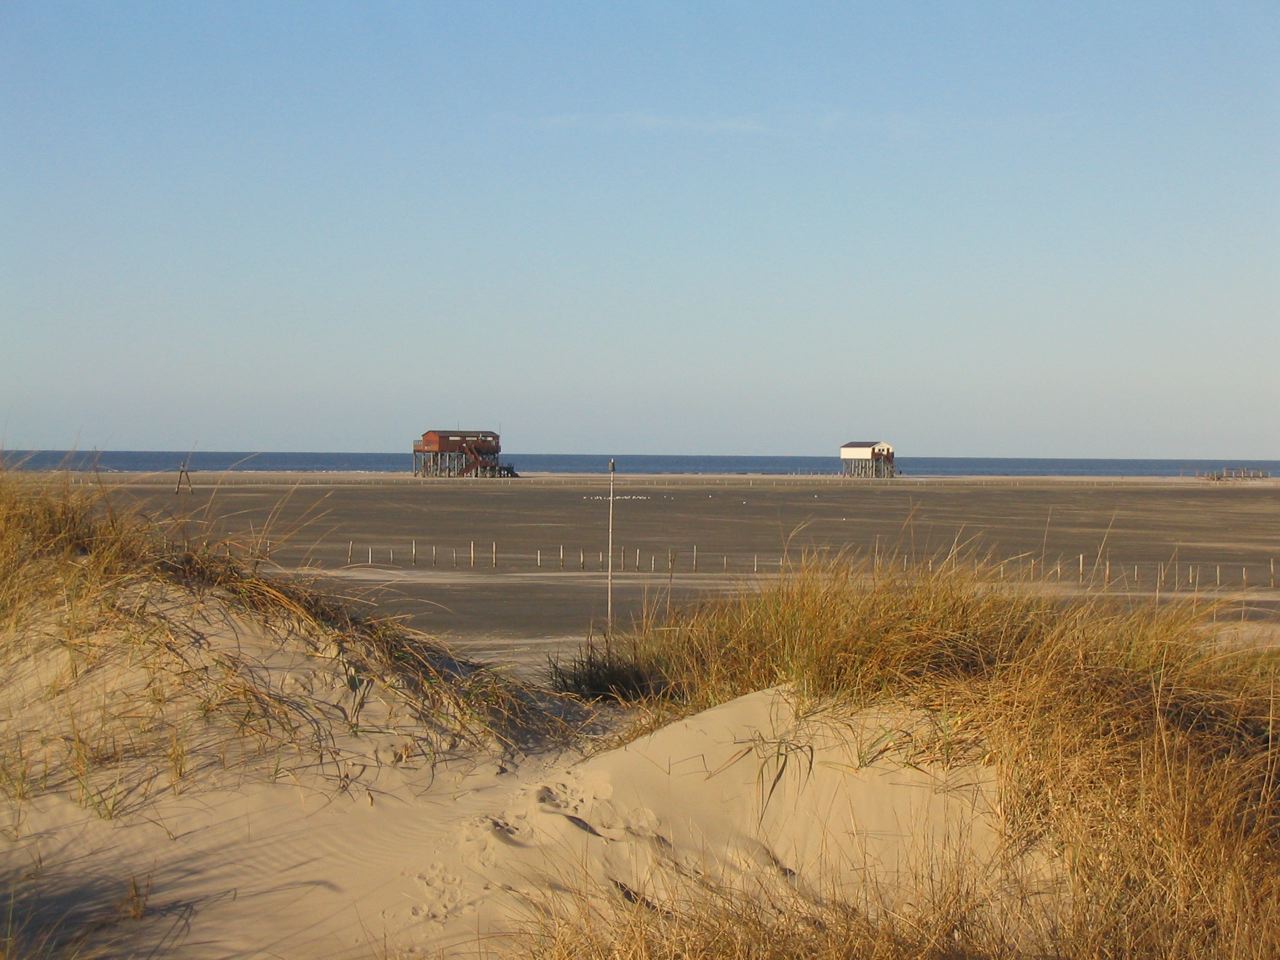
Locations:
(162, 461)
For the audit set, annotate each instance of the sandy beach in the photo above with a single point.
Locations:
(358, 533)
(926, 608)
(209, 749)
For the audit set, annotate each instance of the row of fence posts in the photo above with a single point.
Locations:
(469, 557)
(1174, 573)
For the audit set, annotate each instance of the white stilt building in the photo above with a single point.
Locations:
(867, 458)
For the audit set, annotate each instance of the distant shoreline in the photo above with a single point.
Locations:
(209, 478)
(125, 462)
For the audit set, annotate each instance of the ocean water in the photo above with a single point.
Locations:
(148, 461)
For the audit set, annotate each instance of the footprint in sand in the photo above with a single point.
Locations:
(559, 801)
(513, 835)
(441, 893)
(555, 797)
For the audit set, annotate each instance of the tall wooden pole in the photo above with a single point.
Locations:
(608, 616)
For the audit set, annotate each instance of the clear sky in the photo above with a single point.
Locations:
(1021, 229)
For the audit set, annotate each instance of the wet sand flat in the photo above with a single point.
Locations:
(360, 533)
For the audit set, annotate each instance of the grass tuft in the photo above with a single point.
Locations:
(110, 623)
(1127, 739)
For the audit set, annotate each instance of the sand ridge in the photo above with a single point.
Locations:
(457, 858)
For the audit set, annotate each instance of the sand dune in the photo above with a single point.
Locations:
(295, 869)
(346, 839)
(200, 761)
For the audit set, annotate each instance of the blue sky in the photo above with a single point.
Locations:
(1014, 229)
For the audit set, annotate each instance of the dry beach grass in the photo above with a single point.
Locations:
(1127, 741)
(141, 660)
(1128, 749)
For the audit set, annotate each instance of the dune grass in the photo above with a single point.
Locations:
(106, 616)
(1126, 740)
(141, 660)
